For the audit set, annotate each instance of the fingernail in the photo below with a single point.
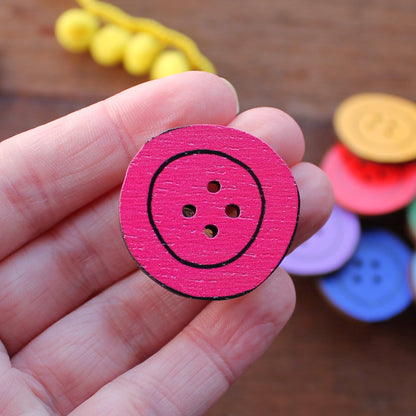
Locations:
(231, 86)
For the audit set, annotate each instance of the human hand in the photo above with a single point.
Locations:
(84, 331)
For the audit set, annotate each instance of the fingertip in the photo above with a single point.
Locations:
(234, 92)
(276, 128)
(316, 200)
(198, 78)
(284, 291)
(192, 81)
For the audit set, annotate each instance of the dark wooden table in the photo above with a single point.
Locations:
(304, 57)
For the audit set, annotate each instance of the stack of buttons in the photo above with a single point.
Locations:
(365, 270)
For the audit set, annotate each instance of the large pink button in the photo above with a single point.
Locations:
(208, 211)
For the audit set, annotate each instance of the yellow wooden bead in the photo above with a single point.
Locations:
(140, 53)
(108, 45)
(169, 63)
(75, 28)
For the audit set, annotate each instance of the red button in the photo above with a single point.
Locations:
(208, 211)
(369, 188)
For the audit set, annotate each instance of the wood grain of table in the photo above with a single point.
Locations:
(304, 57)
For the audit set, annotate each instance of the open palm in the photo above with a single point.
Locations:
(83, 331)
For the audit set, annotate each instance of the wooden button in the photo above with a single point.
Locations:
(411, 220)
(378, 127)
(374, 285)
(208, 211)
(328, 249)
(369, 188)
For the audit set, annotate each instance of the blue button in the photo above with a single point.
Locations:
(374, 285)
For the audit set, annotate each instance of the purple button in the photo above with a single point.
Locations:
(328, 249)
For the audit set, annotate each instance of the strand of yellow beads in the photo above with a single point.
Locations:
(143, 45)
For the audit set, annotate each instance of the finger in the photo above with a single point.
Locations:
(277, 129)
(191, 372)
(317, 200)
(60, 270)
(85, 254)
(51, 171)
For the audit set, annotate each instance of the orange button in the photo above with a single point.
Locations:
(378, 127)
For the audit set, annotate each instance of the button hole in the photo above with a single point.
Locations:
(189, 210)
(375, 264)
(214, 187)
(377, 279)
(211, 231)
(357, 278)
(232, 211)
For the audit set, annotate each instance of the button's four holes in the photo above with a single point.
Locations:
(374, 263)
(231, 210)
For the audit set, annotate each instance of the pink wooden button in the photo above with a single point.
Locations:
(208, 211)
